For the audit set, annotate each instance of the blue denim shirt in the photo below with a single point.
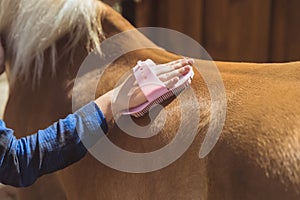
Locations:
(23, 160)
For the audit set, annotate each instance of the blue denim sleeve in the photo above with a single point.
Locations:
(23, 160)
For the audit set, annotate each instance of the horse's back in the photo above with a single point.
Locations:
(257, 156)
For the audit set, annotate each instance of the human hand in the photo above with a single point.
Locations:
(168, 73)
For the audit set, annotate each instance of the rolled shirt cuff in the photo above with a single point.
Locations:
(93, 125)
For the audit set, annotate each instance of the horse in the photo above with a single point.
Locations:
(257, 155)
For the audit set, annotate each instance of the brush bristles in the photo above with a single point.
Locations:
(161, 99)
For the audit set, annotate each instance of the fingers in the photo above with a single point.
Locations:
(171, 66)
(172, 82)
(185, 61)
(175, 73)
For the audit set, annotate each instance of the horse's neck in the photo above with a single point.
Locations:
(52, 97)
(46, 101)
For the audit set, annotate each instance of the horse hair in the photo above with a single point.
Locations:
(30, 27)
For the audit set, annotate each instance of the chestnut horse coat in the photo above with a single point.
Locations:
(257, 155)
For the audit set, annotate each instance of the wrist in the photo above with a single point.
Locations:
(104, 103)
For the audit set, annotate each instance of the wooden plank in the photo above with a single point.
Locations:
(186, 17)
(237, 30)
(285, 31)
(144, 13)
(183, 16)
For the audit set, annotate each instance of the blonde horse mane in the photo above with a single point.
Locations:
(33, 26)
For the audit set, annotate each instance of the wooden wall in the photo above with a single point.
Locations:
(234, 30)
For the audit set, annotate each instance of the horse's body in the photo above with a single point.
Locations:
(256, 157)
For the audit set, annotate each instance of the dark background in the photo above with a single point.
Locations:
(231, 30)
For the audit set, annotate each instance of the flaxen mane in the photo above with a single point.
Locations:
(32, 26)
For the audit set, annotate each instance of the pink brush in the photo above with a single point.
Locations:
(154, 89)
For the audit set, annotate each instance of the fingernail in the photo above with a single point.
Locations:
(191, 61)
(184, 69)
(187, 68)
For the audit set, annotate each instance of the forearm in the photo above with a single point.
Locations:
(58, 146)
(104, 102)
